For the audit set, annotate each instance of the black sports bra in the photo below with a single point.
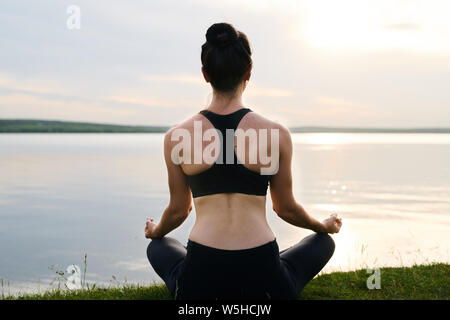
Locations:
(227, 177)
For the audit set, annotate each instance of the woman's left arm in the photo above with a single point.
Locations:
(180, 203)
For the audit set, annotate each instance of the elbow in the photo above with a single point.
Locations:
(276, 210)
(183, 214)
(285, 209)
(280, 211)
(179, 213)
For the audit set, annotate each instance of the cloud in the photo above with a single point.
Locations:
(135, 265)
(325, 111)
(138, 100)
(127, 64)
(141, 97)
(28, 93)
(17, 105)
(339, 102)
(175, 78)
(345, 108)
(30, 85)
(402, 26)
(22, 105)
(252, 90)
(255, 90)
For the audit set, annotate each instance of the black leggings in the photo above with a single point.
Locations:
(201, 272)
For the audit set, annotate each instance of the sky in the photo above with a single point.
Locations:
(353, 63)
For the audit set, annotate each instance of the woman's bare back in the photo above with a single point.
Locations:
(232, 220)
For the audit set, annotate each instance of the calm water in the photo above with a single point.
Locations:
(63, 195)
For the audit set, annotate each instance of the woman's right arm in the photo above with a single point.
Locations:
(283, 200)
(180, 204)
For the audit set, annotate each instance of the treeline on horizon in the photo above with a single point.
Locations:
(34, 126)
(50, 126)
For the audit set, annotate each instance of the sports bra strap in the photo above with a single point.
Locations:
(225, 177)
(225, 121)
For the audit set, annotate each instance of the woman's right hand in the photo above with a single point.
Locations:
(332, 224)
(149, 227)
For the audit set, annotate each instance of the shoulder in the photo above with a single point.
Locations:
(184, 127)
(261, 122)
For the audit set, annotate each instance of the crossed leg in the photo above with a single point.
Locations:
(305, 259)
(166, 256)
(302, 261)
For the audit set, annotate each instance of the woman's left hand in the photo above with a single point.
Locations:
(332, 224)
(149, 227)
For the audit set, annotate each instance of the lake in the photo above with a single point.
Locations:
(64, 195)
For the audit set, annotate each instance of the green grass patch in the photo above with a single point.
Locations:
(416, 282)
(404, 283)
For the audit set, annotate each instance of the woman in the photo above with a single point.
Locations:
(231, 251)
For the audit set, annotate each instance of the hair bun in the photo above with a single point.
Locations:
(221, 34)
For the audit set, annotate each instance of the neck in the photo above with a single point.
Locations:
(226, 103)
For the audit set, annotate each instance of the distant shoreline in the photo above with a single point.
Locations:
(50, 126)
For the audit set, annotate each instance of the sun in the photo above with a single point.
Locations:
(374, 25)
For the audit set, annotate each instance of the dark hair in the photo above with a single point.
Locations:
(226, 56)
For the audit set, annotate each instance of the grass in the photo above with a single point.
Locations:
(417, 282)
(403, 283)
